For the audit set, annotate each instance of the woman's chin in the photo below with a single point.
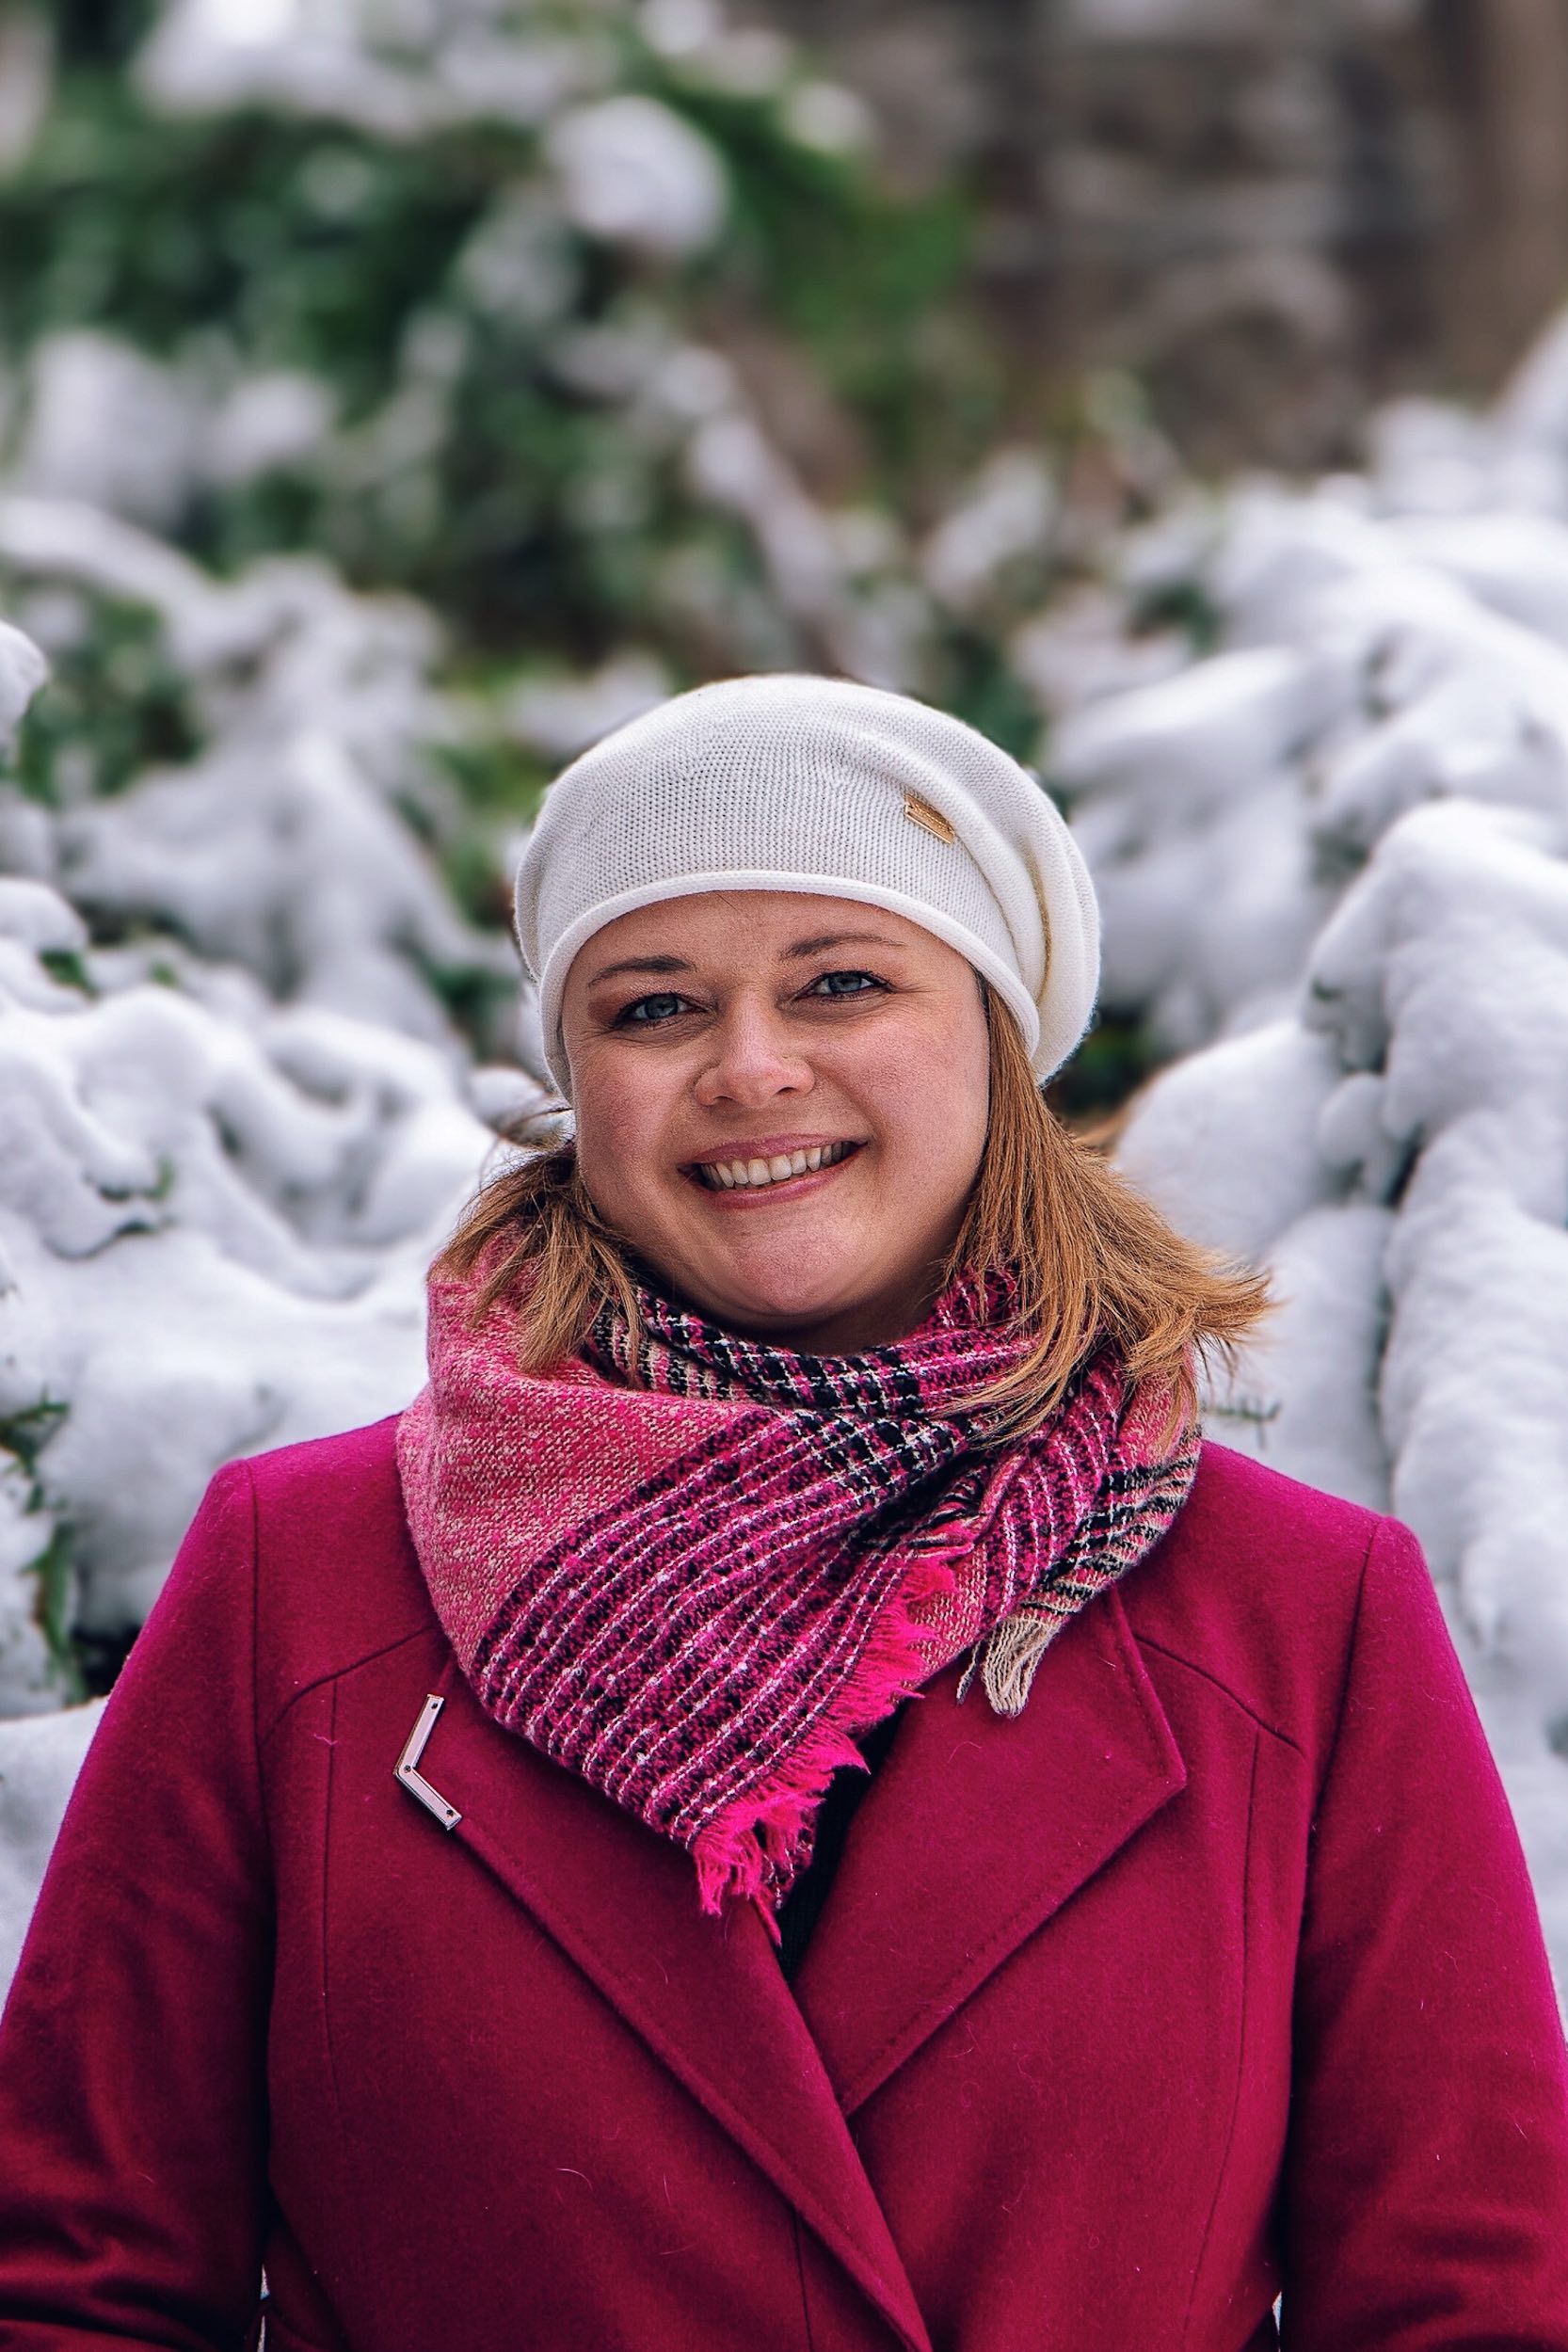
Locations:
(775, 1301)
(808, 1285)
(825, 1318)
(786, 1315)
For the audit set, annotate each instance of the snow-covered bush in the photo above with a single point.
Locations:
(586, 324)
(235, 1114)
(1337, 847)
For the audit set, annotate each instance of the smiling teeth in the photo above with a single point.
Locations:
(729, 1176)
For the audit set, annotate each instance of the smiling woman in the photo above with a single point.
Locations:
(477, 1906)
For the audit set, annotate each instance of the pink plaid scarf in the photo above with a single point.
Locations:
(699, 1592)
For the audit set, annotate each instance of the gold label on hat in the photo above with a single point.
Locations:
(920, 813)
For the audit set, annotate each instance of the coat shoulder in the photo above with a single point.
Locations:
(1238, 1500)
(1257, 1586)
(337, 1577)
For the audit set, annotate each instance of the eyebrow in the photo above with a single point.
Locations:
(663, 966)
(640, 964)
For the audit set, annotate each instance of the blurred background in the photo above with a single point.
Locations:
(395, 394)
(1272, 212)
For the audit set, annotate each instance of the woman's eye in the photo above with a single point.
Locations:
(647, 1012)
(845, 984)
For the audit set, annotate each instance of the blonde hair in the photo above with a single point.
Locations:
(1091, 1257)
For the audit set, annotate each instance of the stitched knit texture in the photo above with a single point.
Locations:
(824, 787)
(698, 1592)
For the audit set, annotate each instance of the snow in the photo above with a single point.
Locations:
(38, 1761)
(109, 426)
(824, 115)
(561, 716)
(325, 59)
(1188, 802)
(1006, 517)
(255, 1186)
(267, 422)
(23, 670)
(632, 172)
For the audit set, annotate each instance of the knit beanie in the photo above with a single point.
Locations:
(834, 790)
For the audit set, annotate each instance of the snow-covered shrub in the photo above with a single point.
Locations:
(1265, 676)
(565, 320)
(1337, 846)
(234, 1121)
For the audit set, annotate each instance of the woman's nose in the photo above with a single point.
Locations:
(751, 1060)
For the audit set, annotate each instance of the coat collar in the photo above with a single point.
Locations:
(977, 1831)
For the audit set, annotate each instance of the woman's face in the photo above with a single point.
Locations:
(722, 1044)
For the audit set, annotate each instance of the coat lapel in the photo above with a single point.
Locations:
(706, 1995)
(977, 1829)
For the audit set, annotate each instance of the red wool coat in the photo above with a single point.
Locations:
(1215, 1974)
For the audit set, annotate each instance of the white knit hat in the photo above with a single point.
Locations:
(835, 790)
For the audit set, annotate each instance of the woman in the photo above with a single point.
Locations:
(462, 1910)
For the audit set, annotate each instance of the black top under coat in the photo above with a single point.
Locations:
(803, 1906)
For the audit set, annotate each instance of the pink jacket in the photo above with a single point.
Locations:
(1216, 1973)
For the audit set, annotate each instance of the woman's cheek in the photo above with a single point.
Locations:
(930, 1107)
(617, 1125)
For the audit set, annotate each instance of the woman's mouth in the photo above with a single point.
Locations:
(757, 1175)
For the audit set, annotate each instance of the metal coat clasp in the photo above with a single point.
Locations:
(408, 1766)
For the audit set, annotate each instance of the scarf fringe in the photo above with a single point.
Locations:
(741, 1849)
(1011, 1656)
